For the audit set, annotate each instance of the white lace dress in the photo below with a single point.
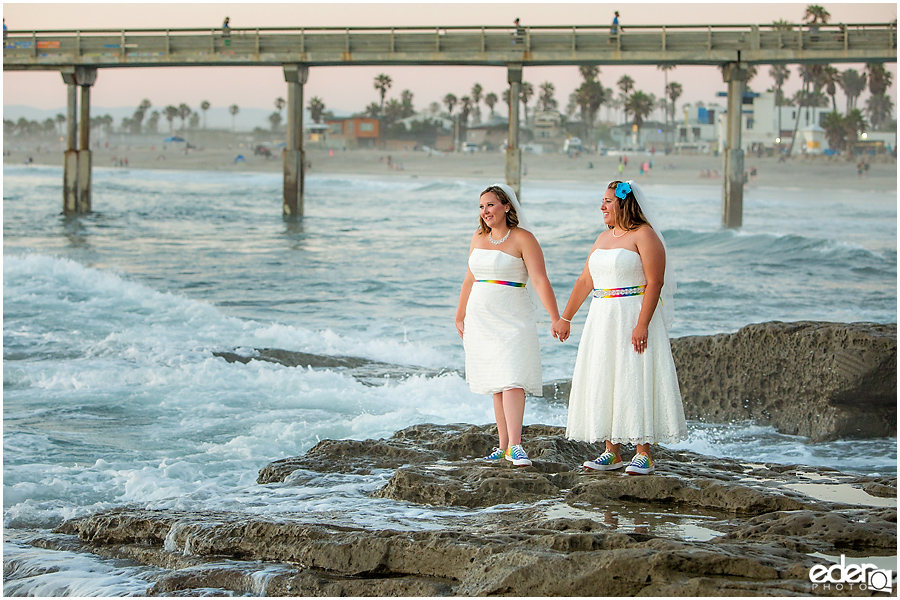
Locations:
(618, 394)
(500, 334)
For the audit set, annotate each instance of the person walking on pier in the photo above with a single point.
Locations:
(519, 36)
(615, 25)
(495, 316)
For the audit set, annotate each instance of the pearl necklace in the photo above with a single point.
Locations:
(498, 242)
(618, 236)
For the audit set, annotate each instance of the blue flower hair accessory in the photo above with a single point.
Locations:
(622, 190)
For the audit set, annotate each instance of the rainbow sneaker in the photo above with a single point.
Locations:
(641, 464)
(516, 455)
(497, 454)
(605, 462)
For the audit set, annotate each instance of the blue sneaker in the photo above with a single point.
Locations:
(605, 462)
(497, 454)
(641, 464)
(517, 456)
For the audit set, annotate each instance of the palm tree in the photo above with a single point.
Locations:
(152, 122)
(780, 74)
(546, 101)
(195, 120)
(406, 104)
(665, 69)
(234, 109)
(275, 120)
(526, 91)
(465, 107)
(61, 121)
(280, 104)
(589, 72)
(639, 105)
(853, 83)
(491, 100)
(589, 97)
(184, 111)
(450, 101)
(383, 84)
(816, 14)
(673, 91)
(810, 74)
(373, 110)
(316, 109)
(835, 127)
(829, 78)
(626, 84)
(854, 123)
(879, 110)
(476, 95)
(879, 78)
(171, 113)
(204, 106)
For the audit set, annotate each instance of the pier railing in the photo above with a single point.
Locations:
(487, 45)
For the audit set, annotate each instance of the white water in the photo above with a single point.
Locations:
(112, 395)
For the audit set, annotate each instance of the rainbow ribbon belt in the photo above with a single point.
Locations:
(635, 290)
(498, 282)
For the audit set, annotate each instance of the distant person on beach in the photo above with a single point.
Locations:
(624, 386)
(495, 316)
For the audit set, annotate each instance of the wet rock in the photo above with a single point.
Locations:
(820, 380)
(701, 526)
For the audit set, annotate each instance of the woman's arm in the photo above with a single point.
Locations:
(537, 272)
(464, 295)
(653, 257)
(583, 286)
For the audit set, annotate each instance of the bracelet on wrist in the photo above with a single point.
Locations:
(566, 320)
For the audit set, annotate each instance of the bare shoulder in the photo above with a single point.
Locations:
(524, 235)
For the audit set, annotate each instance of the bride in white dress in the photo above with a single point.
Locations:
(624, 387)
(495, 316)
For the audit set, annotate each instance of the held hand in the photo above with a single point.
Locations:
(639, 339)
(460, 327)
(561, 330)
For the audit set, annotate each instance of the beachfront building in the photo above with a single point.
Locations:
(548, 131)
(697, 132)
(759, 126)
(352, 132)
(652, 135)
(490, 135)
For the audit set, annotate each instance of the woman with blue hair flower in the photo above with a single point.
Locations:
(624, 387)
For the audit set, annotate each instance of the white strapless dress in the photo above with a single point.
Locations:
(618, 394)
(500, 335)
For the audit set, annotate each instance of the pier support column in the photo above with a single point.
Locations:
(85, 78)
(294, 154)
(513, 152)
(70, 156)
(735, 75)
(77, 157)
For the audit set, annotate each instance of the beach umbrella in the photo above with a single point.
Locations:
(239, 158)
(173, 138)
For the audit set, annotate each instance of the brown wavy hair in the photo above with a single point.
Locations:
(628, 216)
(512, 217)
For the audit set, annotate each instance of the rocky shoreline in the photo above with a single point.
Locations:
(700, 526)
(820, 380)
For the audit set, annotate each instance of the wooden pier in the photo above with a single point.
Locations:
(79, 54)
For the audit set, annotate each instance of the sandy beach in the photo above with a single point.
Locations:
(804, 172)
